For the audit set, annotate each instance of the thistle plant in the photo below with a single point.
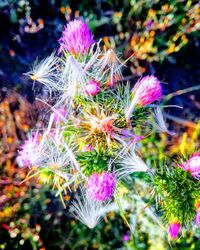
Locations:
(90, 143)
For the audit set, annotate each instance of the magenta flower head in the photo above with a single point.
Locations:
(174, 229)
(192, 165)
(197, 218)
(27, 151)
(76, 37)
(147, 90)
(92, 88)
(101, 187)
(126, 237)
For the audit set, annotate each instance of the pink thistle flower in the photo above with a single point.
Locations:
(197, 218)
(147, 90)
(92, 88)
(58, 114)
(101, 187)
(28, 150)
(173, 229)
(76, 37)
(192, 165)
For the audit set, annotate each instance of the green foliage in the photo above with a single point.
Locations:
(140, 115)
(93, 161)
(179, 192)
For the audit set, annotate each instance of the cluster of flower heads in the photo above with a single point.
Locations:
(90, 140)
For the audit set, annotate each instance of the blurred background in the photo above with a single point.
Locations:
(163, 38)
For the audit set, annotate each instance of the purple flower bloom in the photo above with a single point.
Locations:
(27, 151)
(147, 90)
(192, 165)
(101, 187)
(126, 237)
(197, 218)
(149, 24)
(174, 229)
(92, 88)
(76, 37)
